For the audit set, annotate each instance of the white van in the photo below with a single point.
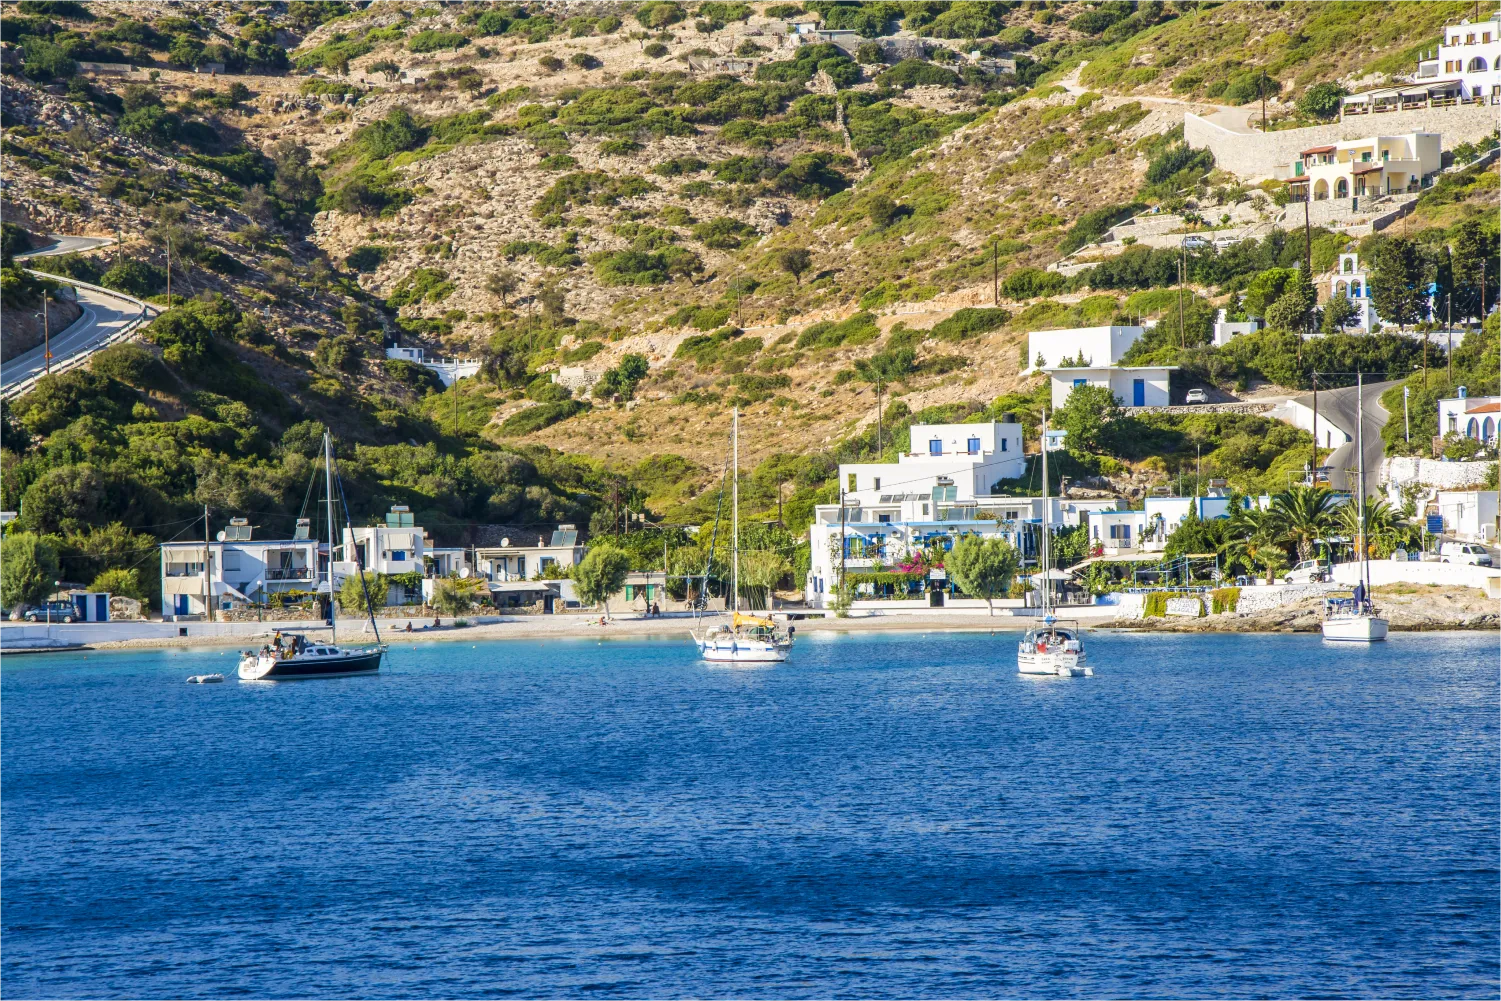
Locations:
(1464, 552)
(1308, 572)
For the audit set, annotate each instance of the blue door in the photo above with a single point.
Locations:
(1138, 392)
(101, 608)
(181, 606)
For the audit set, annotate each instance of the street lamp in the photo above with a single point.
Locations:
(55, 585)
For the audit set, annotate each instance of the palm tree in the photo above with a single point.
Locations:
(1253, 540)
(1302, 515)
(1382, 524)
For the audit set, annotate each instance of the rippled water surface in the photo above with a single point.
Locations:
(883, 816)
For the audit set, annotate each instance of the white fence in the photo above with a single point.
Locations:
(125, 333)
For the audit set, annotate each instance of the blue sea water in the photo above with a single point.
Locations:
(883, 816)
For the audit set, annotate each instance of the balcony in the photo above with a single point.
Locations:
(289, 573)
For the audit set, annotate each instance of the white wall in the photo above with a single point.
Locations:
(1421, 572)
(1101, 346)
(1469, 514)
(1119, 380)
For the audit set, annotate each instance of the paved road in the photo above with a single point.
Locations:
(103, 315)
(59, 244)
(1339, 407)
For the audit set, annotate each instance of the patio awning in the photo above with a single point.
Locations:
(221, 588)
(1369, 168)
(1318, 149)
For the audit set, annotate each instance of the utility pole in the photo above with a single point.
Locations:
(169, 271)
(1182, 333)
(879, 429)
(456, 397)
(843, 539)
(1406, 421)
(1449, 312)
(1313, 471)
(1261, 91)
(208, 587)
(46, 335)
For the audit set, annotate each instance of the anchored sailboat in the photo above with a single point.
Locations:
(1357, 619)
(295, 656)
(744, 638)
(1054, 647)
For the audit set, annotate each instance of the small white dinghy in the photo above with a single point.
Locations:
(205, 679)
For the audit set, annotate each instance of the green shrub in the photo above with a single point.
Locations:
(968, 322)
(1224, 599)
(541, 416)
(436, 41)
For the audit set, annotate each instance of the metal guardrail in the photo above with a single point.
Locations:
(125, 333)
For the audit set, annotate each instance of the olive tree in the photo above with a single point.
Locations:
(600, 574)
(28, 566)
(983, 567)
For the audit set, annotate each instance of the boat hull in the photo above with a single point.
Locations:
(1059, 665)
(743, 652)
(342, 665)
(1355, 629)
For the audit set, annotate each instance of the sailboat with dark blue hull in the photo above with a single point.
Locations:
(293, 656)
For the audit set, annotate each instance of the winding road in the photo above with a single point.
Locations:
(1340, 408)
(107, 316)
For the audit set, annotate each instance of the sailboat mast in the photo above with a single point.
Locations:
(1044, 561)
(1360, 473)
(328, 489)
(735, 514)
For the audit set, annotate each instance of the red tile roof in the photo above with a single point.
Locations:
(1485, 408)
(1368, 168)
(1318, 149)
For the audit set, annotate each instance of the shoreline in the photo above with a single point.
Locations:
(583, 628)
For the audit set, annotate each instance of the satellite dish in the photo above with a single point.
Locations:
(505, 543)
(220, 536)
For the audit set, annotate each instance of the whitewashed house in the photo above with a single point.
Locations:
(1467, 56)
(397, 547)
(936, 493)
(235, 570)
(1477, 417)
(517, 561)
(448, 372)
(1469, 515)
(1091, 356)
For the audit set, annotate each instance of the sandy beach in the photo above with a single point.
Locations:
(1408, 608)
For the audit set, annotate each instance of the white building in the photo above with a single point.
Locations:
(1226, 329)
(1082, 346)
(1468, 55)
(235, 570)
(1147, 530)
(397, 547)
(1133, 385)
(1469, 515)
(936, 494)
(519, 562)
(449, 371)
(1477, 417)
(1350, 280)
(965, 460)
(1090, 356)
(1364, 168)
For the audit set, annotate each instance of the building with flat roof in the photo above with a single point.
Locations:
(235, 570)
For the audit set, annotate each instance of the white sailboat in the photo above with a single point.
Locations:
(744, 639)
(294, 656)
(1356, 619)
(1053, 647)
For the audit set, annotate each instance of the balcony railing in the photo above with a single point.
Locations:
(289, 573)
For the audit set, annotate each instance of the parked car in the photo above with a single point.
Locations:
(1464, 552)
(1221, 242)
(60, 611)
(1307, 572)
(1196, 396)
(1195, 242)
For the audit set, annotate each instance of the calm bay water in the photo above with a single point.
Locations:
(885, 816)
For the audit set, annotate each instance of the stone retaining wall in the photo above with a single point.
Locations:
(1255, 156)
(1264, 599)
(1210, 408)
(1403, 470)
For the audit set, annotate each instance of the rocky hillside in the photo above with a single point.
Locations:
(640, 215)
